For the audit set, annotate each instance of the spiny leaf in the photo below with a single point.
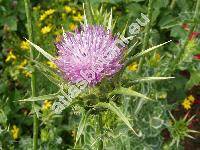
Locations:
(124, 30)
(193, 131)
(40, 98)
(129, 92)
(194, 79)
(144, 53)
(152, 79)
(149, 50)
(82, 125)
(39, 49)
(110, 21)
(129, 51)
(51, 75)
(111, 106)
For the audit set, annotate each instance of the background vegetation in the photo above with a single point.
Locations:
(170, 20)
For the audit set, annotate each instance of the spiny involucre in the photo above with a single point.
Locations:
(89, 54)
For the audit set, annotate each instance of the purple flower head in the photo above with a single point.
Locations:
(88, 55)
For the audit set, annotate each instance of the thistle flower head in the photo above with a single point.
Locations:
(89, 54)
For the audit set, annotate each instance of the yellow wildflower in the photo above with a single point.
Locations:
(51, 64)
(58, 32)
(170, 122)
(72, 26)
(46, 29)
(24, 45)
(27, 73)
(15, 132)
(67, 9)
(78, 18)
(73, 11)
(191, 98)
(46, 105)
(36, 8)
(23, 63)
(58, 37)
(163, 95)
(10, 56)
(186, 104)
(157, 56)
(133, 66)
(73, 133)
(46, 13)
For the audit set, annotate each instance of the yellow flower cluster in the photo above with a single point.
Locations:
(27, 73)
(68, 9)
(24, 45)
(47, 13)
(157, 56)
(133, 66)
(23, 64)
(10, 56)
(21, 67)
(36, 8)
(78, 18)
(72, 26)
(15, 132)
(51, 65)
(188, 102)
(46, 29)
(46, 105)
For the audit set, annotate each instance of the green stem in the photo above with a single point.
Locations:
(147, 32)
(186, 41)
(172, 5)
(88, 11)
(33, 77)
(100, 131)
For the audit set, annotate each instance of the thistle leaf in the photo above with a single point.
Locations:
(111, 106)
(110, 21)
(129, 92)
(151, 79)
(84, 16)
(149, 50)
(193, 131)
(144, 53)
(39, 49)
(51, 75)
(129, 51)
(40, 98)
(82, 125)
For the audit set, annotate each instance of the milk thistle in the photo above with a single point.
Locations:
(89, 54)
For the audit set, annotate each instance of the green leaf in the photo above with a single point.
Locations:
(178, 32)
(82, 125)
(151, 79)
(111, 106)
(110, 21)
(194, 79)
(40, 98)
(129, 92)
(149, 50)
(144, 53)
(10, 21)
(49, 73)
(39, 49)
(3, 117)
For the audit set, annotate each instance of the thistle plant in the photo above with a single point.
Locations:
(92, 53)
(179, 129)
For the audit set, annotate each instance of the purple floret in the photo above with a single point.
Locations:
(88, 55)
